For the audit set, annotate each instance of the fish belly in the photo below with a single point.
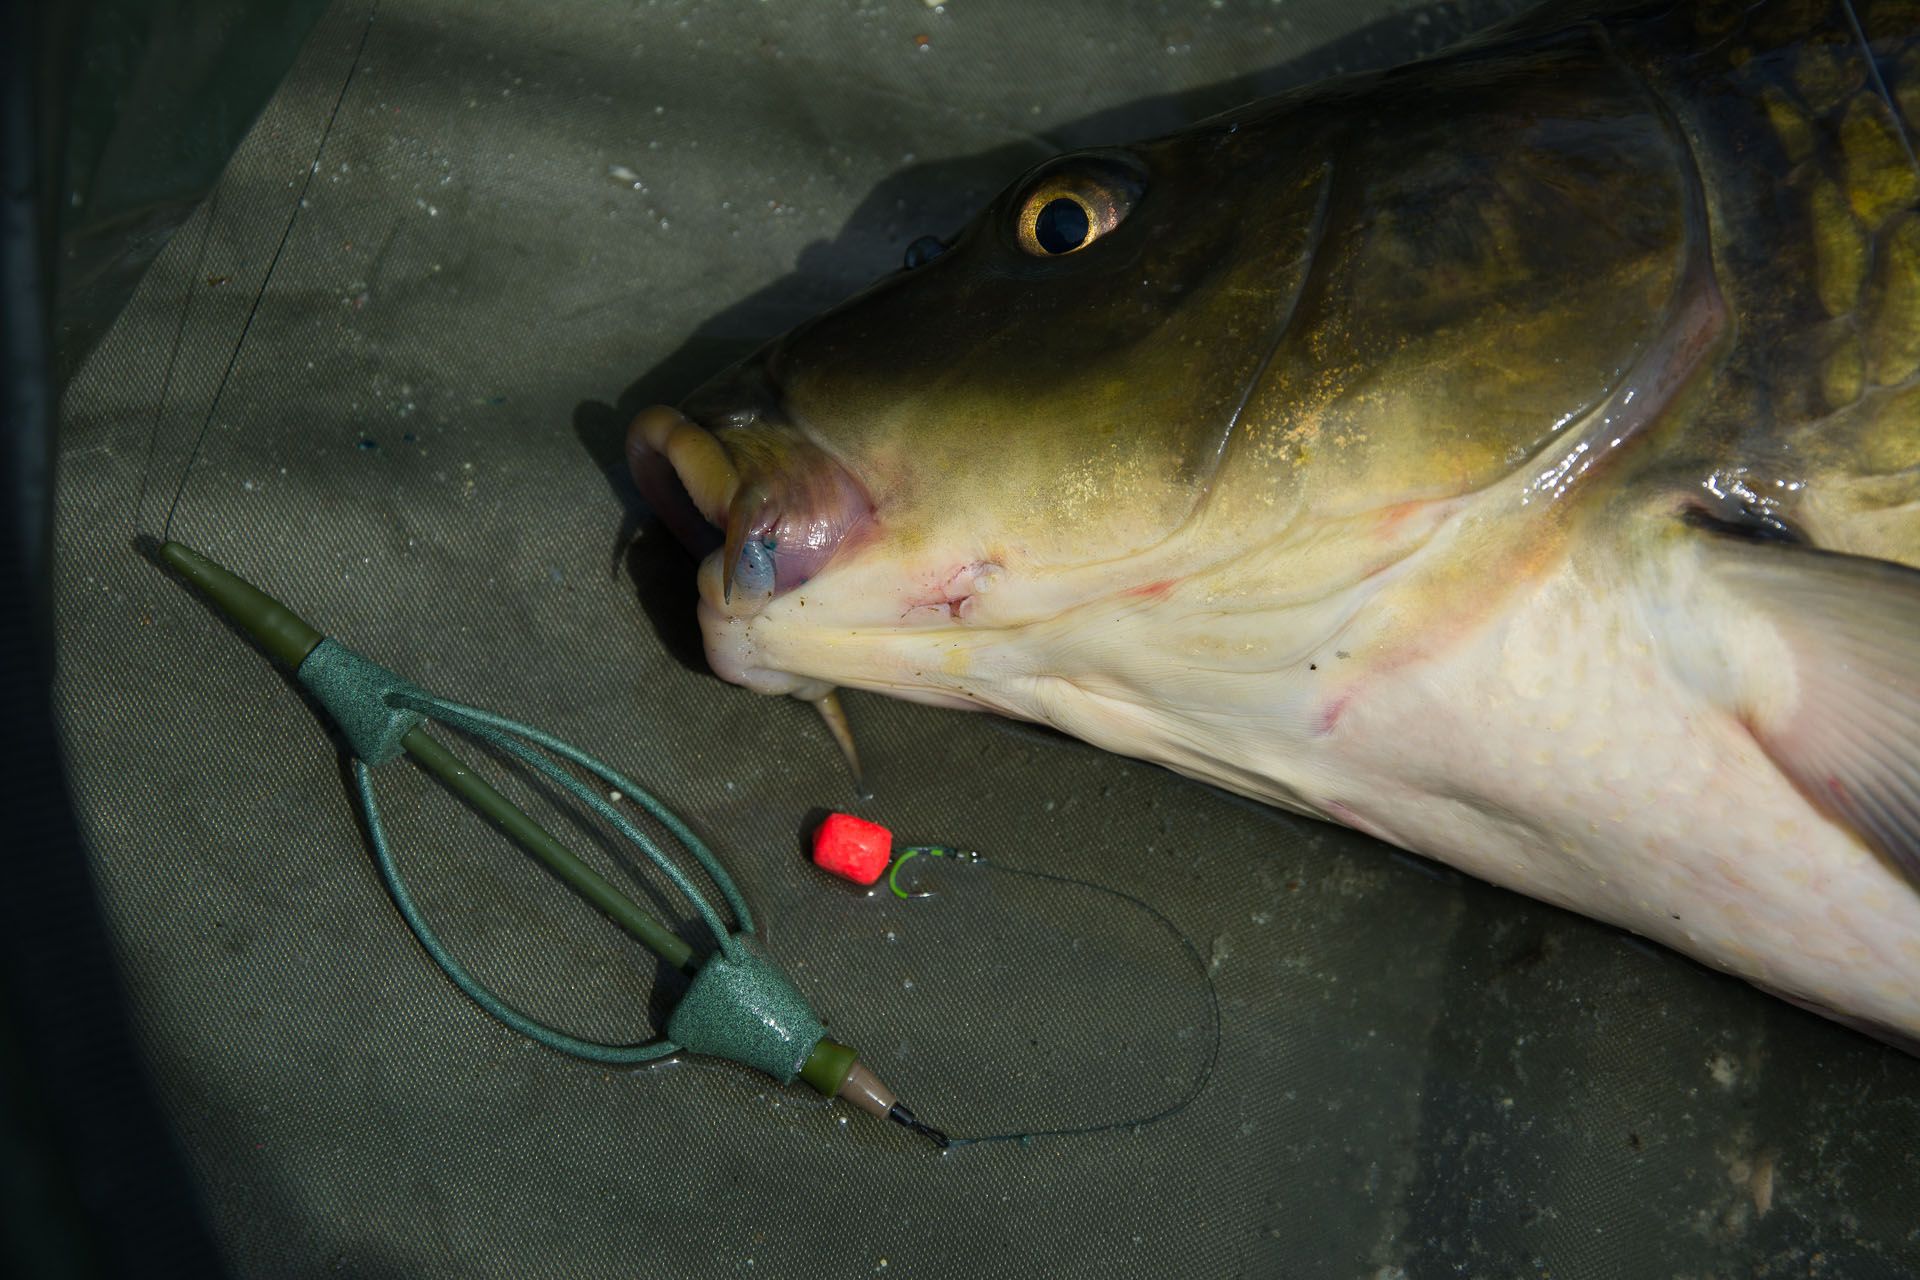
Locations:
(1557, 753)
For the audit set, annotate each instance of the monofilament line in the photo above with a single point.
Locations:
(286, 234)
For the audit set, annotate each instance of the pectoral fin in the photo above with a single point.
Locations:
(1843, 718)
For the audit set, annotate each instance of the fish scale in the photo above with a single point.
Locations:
(1814, 191)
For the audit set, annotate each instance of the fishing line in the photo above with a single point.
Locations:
(286, 234)
(1027, 1137)
(173, 355)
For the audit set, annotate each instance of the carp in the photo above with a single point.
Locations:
(1514, 456)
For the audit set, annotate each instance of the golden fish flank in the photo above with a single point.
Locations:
(1894, 335)
(1881, 180)
(1790, 125)
(1515, 457)
(1840, 247)
(1828, 72)
(1845, 371)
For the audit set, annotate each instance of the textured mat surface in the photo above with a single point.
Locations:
(382, 371)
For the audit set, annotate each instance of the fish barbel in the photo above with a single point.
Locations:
(1514, 456)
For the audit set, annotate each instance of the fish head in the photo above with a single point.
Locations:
(982, 439)
(1156, 408)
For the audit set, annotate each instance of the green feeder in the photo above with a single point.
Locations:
(738, 1006)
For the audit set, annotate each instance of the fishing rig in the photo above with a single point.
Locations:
(738, 1004)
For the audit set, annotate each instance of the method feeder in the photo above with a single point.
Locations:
(738, 1004)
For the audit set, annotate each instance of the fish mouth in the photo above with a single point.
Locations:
(685, 476)
(761, 506)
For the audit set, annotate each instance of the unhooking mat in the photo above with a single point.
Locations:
(384, 369)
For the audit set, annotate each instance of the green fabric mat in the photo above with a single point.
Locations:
(399, 371)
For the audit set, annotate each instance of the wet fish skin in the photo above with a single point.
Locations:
(1515, 456)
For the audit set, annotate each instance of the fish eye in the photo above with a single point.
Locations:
(1071, 206)
(1062, 225)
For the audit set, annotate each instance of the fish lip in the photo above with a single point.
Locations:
(666, 493)
(738, 398)
(698, 508)
(751, 494)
